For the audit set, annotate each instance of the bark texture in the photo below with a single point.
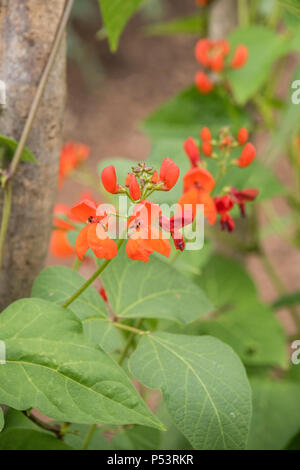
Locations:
(27, 31)
(223, 18)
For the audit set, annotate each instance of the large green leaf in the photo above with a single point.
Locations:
(152, 290)
(60, 373)
(276, 414)
(185, 114)
(9, 146)
(247, 80)
(204, 385)
(252, 330)
(22, 434)
(1, 419)
(58, 283)
(116, 14)
(226, 282)
(135, 438)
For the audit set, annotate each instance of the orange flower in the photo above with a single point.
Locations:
(203, 83)
(247, 155)
(242, 136)
(144, 238)
(198, 183)
(109, 179)
(192, 151)
(169, 173)
(60, 246)
(94, 234)
(240, 57)
(134, 188)
(72, 154)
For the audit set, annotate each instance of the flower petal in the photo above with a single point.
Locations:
(81, 245)
(84, 209)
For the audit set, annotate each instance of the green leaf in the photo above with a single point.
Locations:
(257, 175)
(192, 24)
(204, 386)
(116, 14)
(1, 419)
(226, 282)
(294, 444)
(276, 414)
(287, 300)
(247, 80)
(135, 438)
(58, 283)
(184, 115)
(293, 6)
(22, 434)
(253, 331)
(152, 290)
(10, 146)
(60, 373)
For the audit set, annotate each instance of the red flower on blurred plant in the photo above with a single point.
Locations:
(240, 57)
(192, 151)
(94, 234)
(198, 183)
(72, 154)
(109, 179)
(60, 246)
(169, 173)
(247, 156)
(243, 196)
(203, 83)
(143, 237)
(224, 204)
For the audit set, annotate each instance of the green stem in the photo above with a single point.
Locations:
(129, 342)
(5, 218)
(279, 286)
(90, 280)
(132, 329)
(76, 265)
(89, 436)
(243, 13)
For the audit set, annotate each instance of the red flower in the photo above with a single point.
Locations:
(169, 173)
(60, 246)
(242, 136)
(134, 188)
(227, 222)
(109, 179)
(203, 83)
(93, 235)
(224, 204)
(155, 177)
(240, 57)
(174, 224)
(205, 134)
(103, 294)
(198, 183)
(241, 197)
(144, 238)
(247, 156)
(207, 148)
(72, 154)
(192, 151)
(217, 62)
(202, 52)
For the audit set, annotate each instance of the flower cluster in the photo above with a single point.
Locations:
(215, 57)
(142, 228)
(72, 154)
(199, 182)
